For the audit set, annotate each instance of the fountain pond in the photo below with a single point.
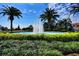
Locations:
(38, 29)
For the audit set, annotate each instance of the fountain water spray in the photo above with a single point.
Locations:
(38, 27)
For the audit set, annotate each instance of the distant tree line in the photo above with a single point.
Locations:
(60, 25)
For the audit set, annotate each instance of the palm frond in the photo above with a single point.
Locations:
(11, 11)
(49, 14)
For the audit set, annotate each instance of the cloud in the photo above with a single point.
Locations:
(24, 11)
(60, 7)
(30, 11)
(34, 11)
(50, 5)
(63, 12)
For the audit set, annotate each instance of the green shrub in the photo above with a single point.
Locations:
(37, 48)
(27, 48)
(66, 47)
(39, 45)
(9, 52)
(53, 53)
(48, 37)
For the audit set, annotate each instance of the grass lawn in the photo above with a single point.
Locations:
(39, 44)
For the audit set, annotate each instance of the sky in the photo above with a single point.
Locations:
(32, 11)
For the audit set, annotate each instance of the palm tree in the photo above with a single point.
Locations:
(65, 24)
(11, 12)
(74, 10)
(49, 15)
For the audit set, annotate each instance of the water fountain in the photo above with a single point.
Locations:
(38, 27)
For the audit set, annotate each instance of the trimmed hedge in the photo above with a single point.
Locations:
(49, 37)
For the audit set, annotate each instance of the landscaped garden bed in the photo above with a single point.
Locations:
(39, 45)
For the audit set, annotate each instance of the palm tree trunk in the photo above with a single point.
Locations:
(49, 23)
(11, 26)
(49, 26)
(11, 22)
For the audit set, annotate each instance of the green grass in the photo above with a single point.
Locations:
(39, 44)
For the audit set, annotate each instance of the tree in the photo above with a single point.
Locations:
(18, 28)
(11, 12)
(74, 9)
(29, 28)
(4, 28)
(49, 15)
(65, 24)
(59, 25)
